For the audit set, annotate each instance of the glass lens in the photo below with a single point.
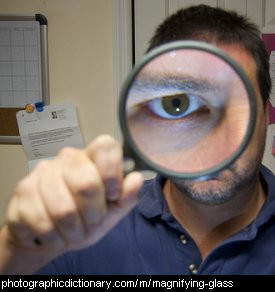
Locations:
(187, 111)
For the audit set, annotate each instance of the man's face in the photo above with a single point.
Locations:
(188, 111)
(243, 173)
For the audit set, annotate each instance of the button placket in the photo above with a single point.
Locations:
(193, 269)
(183, 239)
(188, 250)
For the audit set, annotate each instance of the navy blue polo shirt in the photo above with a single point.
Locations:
(150, 241)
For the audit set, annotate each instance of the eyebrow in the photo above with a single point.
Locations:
(173, 82)
(161, 85)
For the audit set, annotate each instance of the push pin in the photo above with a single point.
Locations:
(39, 106)
(29, 108)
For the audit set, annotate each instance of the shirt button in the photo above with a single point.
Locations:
(183, 239)
(193, 269)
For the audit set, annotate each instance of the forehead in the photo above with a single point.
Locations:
(235, 51)
(186, 63)
(244, 59)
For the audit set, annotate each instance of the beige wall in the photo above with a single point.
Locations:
(80, 64)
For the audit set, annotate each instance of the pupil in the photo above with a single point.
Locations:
(175, 104)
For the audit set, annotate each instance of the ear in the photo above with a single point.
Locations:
(267, 112)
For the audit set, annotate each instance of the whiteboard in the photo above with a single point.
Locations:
(23, 68)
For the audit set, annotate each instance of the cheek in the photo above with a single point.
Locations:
(255, 148)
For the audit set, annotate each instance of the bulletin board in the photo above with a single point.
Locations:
(24, 77)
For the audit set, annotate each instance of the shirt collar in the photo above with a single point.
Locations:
(152, 201)
(268, 209)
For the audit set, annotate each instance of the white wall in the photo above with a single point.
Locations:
(149, 14)
(81, 71)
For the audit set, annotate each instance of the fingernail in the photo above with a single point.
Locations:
(112, 190)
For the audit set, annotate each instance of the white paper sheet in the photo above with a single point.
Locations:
(44, 133)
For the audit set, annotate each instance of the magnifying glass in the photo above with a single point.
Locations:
(187, 110)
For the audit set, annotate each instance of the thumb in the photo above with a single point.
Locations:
(131, 185)
(129, 197)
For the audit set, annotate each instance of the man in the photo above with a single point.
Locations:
(73, 215)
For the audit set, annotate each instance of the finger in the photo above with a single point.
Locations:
(20, 233)
(27, 221)
(60, 204)
(119, 209)
(130, 190)
(106, 154)
(86, 186)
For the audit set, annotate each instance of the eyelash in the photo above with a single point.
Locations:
(183, 105)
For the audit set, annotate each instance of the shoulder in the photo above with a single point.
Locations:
(268, 180)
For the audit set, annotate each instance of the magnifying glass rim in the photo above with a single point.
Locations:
(191, 45)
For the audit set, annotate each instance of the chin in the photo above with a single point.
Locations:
(211, 185)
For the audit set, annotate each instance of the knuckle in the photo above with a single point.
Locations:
(11, 223)
(87, 185)
(85, 179)
(42, 165)
(107, 154)
(24, 187)
(45, 230)
(28, 186)
(105, 139)
(67, 152)
(102, 142)
(115, 158)
(65, 216)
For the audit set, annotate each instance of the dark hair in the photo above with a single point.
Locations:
(215, 25)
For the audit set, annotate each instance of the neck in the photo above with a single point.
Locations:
(210, 225)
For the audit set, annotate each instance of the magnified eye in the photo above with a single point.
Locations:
(175, 106)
